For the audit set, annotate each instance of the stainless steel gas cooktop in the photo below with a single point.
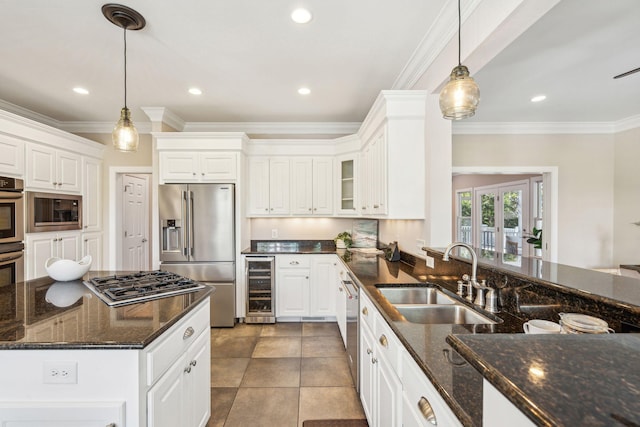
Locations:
(132, 288)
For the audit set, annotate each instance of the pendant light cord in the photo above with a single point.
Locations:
(125, 66)
(459, 31)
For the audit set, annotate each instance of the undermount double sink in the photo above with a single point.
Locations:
(430, 305)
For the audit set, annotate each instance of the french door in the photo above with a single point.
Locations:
(502, 218)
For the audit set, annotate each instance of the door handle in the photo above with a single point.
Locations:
(144, 240)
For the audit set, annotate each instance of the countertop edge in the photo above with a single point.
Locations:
(509, 390)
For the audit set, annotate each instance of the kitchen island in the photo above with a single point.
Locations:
(67, 356)
(501, 354)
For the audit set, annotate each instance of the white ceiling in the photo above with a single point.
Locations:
(571, 55)
(249, 59)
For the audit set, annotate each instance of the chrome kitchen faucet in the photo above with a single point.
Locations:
(472, 282)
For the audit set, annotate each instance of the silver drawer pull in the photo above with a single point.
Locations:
(294, 263)
(365, 311)
(187, 369)
(188, 333)
(383, 340)
(193, 362)
(111, 425)
(427, 411)
(369, 351)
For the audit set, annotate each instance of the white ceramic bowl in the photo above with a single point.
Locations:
(64, 270)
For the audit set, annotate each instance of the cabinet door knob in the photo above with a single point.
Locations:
(369, 351)
(383, 340)
(187, 369)
(427, 411)
(365, 311)
(194, 174)
(202, 173)
(374, 360)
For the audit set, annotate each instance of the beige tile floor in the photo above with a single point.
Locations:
(280, 375)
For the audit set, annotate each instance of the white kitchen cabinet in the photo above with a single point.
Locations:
(380, 387)
(347, 167)
(52, 169)
(322, 290)
(92, 245)
(178, 166)
(305, 285)
(392, 172)
(92, 194)
(182, 395)
(312, 186)
(11, 156)
(292, 285)
(269, 186)
(41, 246)
(422, 404)
(498, 411)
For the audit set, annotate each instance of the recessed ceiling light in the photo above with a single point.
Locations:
(81, 90)
(304, 91)
(538, 98)
(301, 16)
(195, 91)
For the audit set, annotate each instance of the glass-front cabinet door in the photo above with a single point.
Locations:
(347, 172)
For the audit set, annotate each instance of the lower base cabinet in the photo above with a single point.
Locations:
(393, 390)
(498, 411)
(168, 383)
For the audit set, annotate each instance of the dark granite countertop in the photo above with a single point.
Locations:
(458, 382)
(562, 380)
(36, 322)
(260, 247)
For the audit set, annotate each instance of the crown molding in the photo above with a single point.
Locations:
(279, 128)
(532, 128)
(28, 114)
(629, 123)
(164, 115)
(444, 27)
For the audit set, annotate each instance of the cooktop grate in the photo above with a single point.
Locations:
(132, 288)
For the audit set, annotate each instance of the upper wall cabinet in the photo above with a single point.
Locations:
(92, 194)
(346, 184)
(179, 166)
(312, 186)
(51, 169)
(269, 186)
(392, 176)
(11, 156)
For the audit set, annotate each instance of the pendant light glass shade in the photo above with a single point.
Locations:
(460, 97)
(125, 134)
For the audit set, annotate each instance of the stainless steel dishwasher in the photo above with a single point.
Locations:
(351, 292)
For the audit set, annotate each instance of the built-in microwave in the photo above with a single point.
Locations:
(53, 212)
(11, 210)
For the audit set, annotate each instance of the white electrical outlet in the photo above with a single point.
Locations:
(420, 244)
(430, 262)
(60, 372)
(274, 233)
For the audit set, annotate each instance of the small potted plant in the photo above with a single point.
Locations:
(343, 240)
(535, 238)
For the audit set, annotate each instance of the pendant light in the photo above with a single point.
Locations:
(124, 135)
(460, 97)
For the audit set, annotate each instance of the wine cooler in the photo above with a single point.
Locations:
(259, 273)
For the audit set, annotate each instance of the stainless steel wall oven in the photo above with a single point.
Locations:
(11, 210)
(53, 212)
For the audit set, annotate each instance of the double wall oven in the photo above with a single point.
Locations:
(11, 257)
(11, 231)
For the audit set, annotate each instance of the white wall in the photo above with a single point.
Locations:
(626, 248)
(586, 182)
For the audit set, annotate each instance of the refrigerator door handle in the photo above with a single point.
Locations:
(185, 235)
(191, 218)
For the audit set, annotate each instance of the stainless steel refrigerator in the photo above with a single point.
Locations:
(197, 240)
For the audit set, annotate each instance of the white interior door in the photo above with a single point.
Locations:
(135, 253)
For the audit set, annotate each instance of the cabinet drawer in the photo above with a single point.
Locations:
(387, 342)
(367, 311)
(420, 395)
(162, 355)
(293, 261)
